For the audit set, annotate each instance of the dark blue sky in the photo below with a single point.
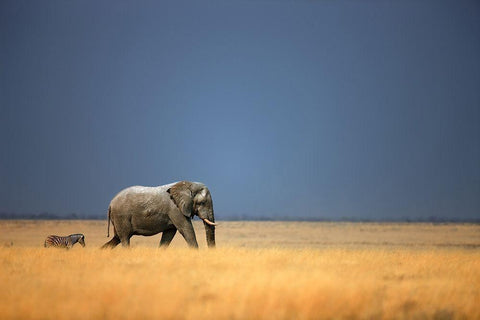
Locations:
(366, 109)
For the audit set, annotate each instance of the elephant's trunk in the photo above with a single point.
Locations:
(210, 224)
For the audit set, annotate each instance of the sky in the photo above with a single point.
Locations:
(311, 109)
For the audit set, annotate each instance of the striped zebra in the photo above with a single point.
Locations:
(64, 242)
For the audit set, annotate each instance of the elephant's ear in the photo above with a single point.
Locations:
(182, 196)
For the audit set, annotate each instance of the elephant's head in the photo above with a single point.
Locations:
(193, 198)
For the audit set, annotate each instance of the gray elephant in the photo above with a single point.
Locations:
(149, 210)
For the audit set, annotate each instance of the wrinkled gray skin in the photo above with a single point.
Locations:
(147, 211)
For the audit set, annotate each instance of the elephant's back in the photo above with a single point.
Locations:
(139, 195)
(132, 191)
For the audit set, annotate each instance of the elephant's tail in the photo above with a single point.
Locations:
(108, 218)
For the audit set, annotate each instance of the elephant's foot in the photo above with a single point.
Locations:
(112, 243)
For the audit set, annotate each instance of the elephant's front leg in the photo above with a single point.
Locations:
(185, 227)
(189, 234)
(167, 237)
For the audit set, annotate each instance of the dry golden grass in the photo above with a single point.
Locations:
(327, 271)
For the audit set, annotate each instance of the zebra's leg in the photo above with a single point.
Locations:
(112, 243)
(167, 237)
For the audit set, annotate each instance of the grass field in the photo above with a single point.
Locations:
(260, 270)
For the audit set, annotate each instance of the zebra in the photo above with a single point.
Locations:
(64, 242)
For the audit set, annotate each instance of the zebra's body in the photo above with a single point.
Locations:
(64, 242)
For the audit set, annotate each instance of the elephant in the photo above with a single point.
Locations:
(147, 211)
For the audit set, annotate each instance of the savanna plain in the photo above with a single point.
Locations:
(259, 270)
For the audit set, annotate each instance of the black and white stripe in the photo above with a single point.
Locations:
(64, 242)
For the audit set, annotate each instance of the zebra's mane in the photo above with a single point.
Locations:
(76, 235)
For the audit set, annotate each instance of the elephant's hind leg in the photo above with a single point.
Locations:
(125, 240)
(112, 243)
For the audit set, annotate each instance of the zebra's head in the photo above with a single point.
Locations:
(81, 240)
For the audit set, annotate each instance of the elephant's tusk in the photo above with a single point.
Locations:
(209, 222)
